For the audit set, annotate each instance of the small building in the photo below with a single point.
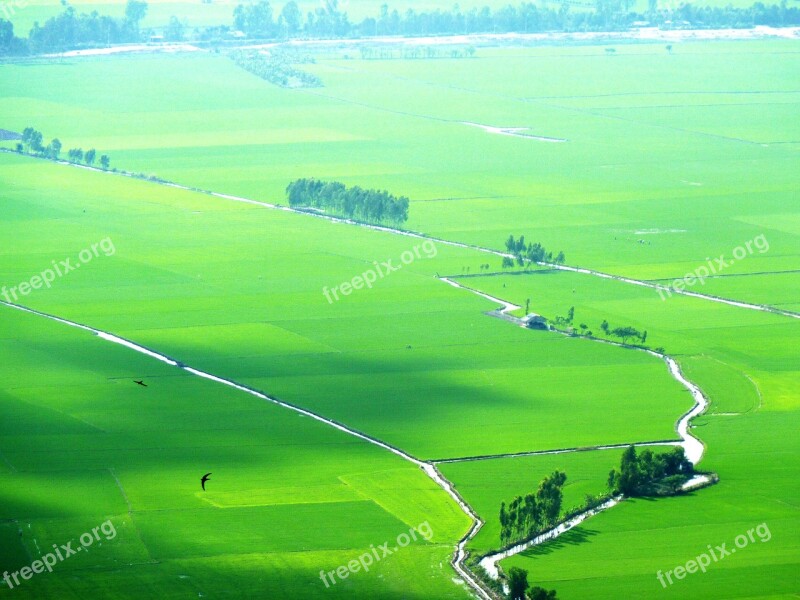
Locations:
(156, 39)
(533, 321)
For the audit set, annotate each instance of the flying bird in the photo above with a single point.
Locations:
(203, 480)
(140, 382)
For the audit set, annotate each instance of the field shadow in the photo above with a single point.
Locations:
(573, 537)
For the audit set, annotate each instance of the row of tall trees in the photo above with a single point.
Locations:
(371, 206)
(275, 67)
(32, 143)
(526, 254)
(528, 515)
(648, 474)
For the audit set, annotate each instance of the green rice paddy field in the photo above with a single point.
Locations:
(669, 159)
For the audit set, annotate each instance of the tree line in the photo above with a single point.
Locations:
(258, 20)
(531, 253)
(370, 206)
(649, 474)
(32, 143)
(526, 516)
(275, 67)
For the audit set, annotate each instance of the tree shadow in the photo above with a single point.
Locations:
(573, 537)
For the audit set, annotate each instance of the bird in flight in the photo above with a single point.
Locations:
(203, 480)
(140, 382)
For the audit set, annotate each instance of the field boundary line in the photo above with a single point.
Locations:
(415, 234)
(442, 461)
(692, 445)
(694, 448)
(428, 468)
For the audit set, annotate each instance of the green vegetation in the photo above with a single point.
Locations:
(276, 67)
(518, 588)
(108, 449)
(32, 144)
(648, 474)
(655, 143)
(369, 206)
(534, 513)
(70, 29)
(533, 253)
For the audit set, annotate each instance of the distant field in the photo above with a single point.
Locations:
(638, 193)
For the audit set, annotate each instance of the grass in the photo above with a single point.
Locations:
(236, 289)
(241, 311)
(105, 449)
(590, 196)
(746, 430)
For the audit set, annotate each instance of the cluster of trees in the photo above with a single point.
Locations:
(32, 143)
(257, 20)
(649, 474)
(371, 206)
(623, 333)
(519, 589)
(526, 516)
(529, 254)
(72, 29)
(275, 67)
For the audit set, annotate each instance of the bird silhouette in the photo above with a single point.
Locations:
(140, 382)
(203, 480)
